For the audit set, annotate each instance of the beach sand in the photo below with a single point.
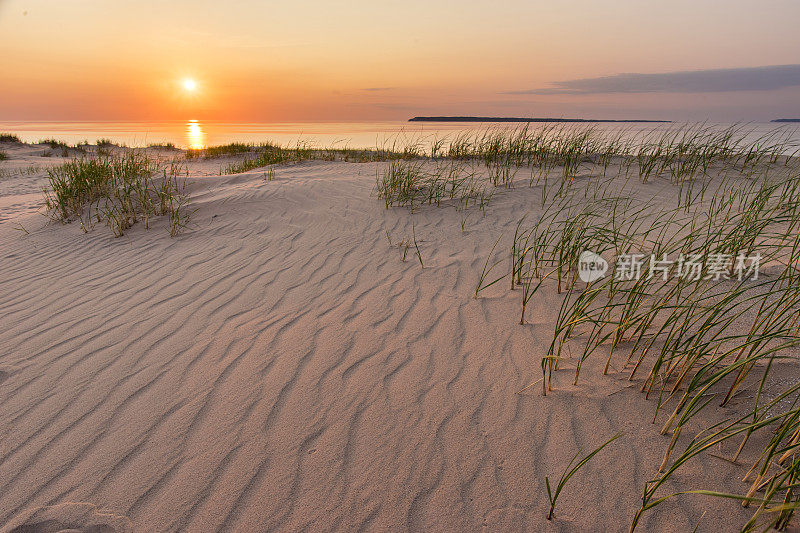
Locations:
(278, 367)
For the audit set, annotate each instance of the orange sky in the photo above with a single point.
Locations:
(368, 60)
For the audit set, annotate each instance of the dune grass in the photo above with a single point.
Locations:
(226, 150)
(254, 156)
(410, 182)
(3, 155)
(118, 190)
(266, 156)
(163, 146)
(9, 138)
(54, 143)
(570, 470)
(688, 341)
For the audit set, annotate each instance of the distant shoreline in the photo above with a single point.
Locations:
(786, 120)
(520, 119)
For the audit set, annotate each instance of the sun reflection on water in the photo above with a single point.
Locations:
(195, 136)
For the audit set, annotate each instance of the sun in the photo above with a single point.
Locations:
(189, 85)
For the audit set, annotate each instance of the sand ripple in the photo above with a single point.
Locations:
(279, 368)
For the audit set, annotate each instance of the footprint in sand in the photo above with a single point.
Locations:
(68, 518)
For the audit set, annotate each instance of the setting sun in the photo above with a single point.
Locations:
(190, 85)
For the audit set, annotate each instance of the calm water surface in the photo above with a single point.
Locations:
(199, 134)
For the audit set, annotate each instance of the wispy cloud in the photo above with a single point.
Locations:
(690, 81)
(379, 89)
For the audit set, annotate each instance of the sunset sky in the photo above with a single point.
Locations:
(369, 60)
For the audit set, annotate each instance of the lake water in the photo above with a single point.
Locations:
(199, 134)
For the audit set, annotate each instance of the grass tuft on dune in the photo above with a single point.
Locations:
(119, 190)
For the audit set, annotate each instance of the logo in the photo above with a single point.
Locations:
(591, 266)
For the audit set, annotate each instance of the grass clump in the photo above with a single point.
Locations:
(410, 182)
(54, 144)
(266, 156)
(3, 156)
(164, 146)
(120, 190)
(226, 150)
(9, 138)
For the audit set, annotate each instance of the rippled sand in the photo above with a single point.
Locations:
(278, 367)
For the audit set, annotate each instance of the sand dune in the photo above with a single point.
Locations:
(278, 367)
